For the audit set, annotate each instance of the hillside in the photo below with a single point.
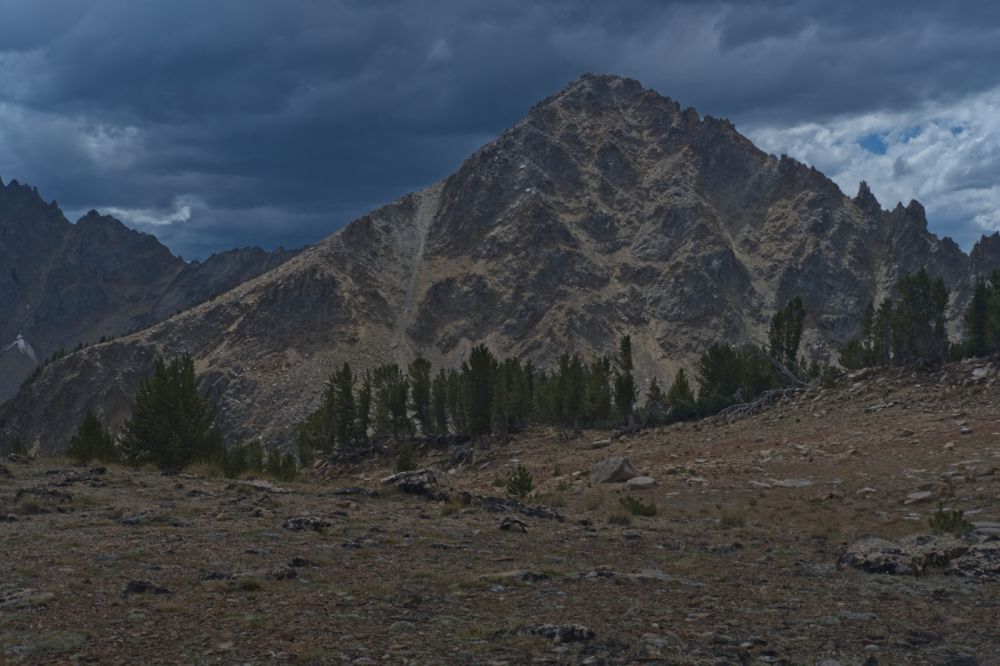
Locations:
(740, 564)
(608, 209)
(63, 284)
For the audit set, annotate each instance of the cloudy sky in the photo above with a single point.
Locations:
(265, 122)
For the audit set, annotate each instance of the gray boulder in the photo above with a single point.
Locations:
(613, 470)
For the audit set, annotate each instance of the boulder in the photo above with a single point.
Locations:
(910, 556)
(981, 562)
(640, 482)
(613, 470)
(425, 482)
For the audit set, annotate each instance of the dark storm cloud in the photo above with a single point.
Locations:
(235, 122)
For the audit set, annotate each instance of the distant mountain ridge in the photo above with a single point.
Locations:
(608, 209)
(62, 284)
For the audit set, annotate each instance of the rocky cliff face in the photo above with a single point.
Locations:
(608, 209)
(62, 284)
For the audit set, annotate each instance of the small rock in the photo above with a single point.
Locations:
(866, 491)
(920, 496)
(301, 562)
(613, 470)
(640, 482)
(143, 587)
(966, 430)
(5, 473)
(512, 524)
(561, 633)
(792, 483)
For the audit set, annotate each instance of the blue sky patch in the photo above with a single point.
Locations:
(873, 143)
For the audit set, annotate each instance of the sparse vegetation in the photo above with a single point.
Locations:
(520, 483)
(637, 507)
(406, 458)
(732, 518)
(945, 521)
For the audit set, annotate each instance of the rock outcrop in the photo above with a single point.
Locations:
(608, 209)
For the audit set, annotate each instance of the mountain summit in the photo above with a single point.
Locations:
(607, 209)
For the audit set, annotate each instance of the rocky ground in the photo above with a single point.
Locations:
(759, 551)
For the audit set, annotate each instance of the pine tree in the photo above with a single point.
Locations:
(719, 371)
(318, 432)
(363, 421)
(599, 394)
(479, 390)
(420, 393)
(918, 321)
(92, 442)
(439, 402)
(976, 319)
(171, 424)
(390, 390)
(785, 333)
(680, 397)
(345, 427)
(625, 388)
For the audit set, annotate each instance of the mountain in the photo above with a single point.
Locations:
(18, 361)
(608, 209)
(62, 284)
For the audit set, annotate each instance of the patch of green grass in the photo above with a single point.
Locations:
(730, 518)
(949, 522)
(41, 643)
(622, 519)
(637, 507)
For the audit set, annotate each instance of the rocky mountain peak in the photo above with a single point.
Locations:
(607, 210)
(865, 199)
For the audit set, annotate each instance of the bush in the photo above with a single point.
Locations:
(92, 442)
(406, 459)
(637, 507)
(949, 522)
(622, 519)
(520, 483)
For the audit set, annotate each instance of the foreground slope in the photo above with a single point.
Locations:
(738, 566)
(607, 210)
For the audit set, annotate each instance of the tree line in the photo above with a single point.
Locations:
(912, 327)
(173, 425)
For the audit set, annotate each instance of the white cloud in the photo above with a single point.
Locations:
(178, 212)
(946, 155)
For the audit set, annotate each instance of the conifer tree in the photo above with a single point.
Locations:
(345, 426)
(785, 333)
(420, 393)
(625, 388)
(363, 421)
(479, 390)
(599, 394)
(171, 424)
(390, 390)
(439, 402)
(976, 320)
(680, 397)
(92, 442)
(918, 321)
